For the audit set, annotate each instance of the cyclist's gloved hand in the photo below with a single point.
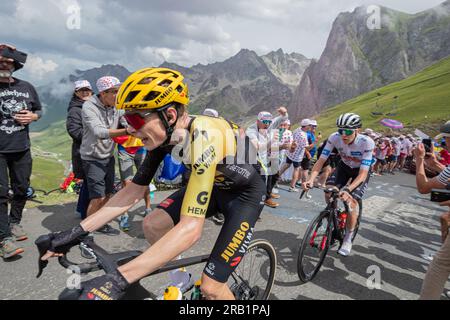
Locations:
(61, 242)
(111, 286)
(58, 243)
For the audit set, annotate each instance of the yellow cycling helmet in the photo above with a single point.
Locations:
(152, 88)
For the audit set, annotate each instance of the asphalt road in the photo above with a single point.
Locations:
(398, 236)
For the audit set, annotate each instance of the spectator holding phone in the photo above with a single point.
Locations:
(439, 269)
(19, 106)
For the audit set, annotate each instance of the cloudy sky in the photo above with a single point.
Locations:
(141, 33)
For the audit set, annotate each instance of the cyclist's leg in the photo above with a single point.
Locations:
(241, 213)
(161, 252)
(164, 217)
(156, 225)
(357, 196)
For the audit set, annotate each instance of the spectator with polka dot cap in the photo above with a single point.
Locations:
(100, 123)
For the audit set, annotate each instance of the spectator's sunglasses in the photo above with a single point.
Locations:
(266, 122)
(346, 132)
(136, 119)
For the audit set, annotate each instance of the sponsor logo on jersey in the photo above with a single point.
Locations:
(239, 170)
(96, 294)
(236, 261)
(166, 203)
(367, 163)
(356, 154)
(239, 243)
(196, 211)
(205, 161)
(202, 198)
(326, 152)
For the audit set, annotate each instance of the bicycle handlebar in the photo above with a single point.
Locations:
(82, 268)
(333, 190)
(104, 260)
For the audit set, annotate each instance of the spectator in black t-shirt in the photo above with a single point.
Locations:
(19, 106)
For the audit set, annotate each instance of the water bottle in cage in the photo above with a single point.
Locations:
(342, 219)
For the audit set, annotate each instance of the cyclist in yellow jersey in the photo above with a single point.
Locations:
(224, 178)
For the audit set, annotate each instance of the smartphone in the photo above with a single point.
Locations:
(428, 145)
(14, 54)
(440, 195)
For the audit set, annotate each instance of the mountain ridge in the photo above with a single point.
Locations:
(357, 59)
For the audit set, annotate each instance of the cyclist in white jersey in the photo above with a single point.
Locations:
(352, 173)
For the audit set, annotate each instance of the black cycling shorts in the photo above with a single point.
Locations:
(306, 163)
(241, 209)
(342, 175)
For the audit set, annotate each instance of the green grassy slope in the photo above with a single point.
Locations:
(54, 139)
(423, 102)
(47, 175)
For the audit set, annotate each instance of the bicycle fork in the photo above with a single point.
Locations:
(322, 243)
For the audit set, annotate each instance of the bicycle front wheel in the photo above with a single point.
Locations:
(253, 278)
(314, 247)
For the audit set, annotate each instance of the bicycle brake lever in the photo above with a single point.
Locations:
(43, 243)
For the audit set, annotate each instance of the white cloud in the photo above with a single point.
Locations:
(140, 33)
(38, 68)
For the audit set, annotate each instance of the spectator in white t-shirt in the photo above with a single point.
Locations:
(296, 153)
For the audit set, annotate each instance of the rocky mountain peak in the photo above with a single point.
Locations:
(358, 59)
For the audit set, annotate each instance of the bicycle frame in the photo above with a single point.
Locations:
(111, 261)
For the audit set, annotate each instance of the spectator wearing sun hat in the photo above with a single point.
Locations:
(264, 135)
(100, 123)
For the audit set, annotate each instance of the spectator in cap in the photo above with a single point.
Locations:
(262, 134)
(100, 124)
(315, 139)
(74, 125)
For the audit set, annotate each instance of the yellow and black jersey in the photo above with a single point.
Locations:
(218, 154)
